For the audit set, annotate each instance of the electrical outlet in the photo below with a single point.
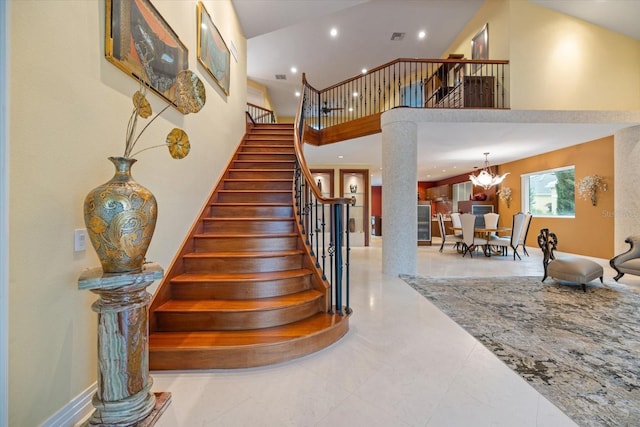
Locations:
(80, 239)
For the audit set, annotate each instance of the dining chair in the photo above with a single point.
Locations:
(525, 231)
(455, 223)
(513, 240)
(491, 221)
(447, 237)
(469, 239)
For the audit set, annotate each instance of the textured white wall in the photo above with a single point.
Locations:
(68, 112)
(626, 160)
(400, 177)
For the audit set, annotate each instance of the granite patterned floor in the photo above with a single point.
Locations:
(580, 350)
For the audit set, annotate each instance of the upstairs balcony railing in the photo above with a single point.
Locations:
(419, 83)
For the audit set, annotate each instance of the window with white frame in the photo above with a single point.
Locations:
(461, 191)
(550, 192)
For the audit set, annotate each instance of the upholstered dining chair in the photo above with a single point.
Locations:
(469, 240)
(491, 221)
(455, 223)
(525, 231)
(447, 237)
(511, 241)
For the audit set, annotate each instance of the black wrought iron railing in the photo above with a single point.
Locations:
(322, 221)
(419, 83)
(259, 114)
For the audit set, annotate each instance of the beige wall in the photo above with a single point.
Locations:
(557, 62)
(591, 231)
(68, 111)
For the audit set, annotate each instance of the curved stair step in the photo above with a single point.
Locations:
(244, 349)
(240, 286)
(219, 209)
(242, 262)
(245, 242)
(230, 225)
(207, 315)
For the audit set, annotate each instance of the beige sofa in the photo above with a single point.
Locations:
(629, 261)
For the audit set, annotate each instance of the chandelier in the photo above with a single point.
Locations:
(485, 178)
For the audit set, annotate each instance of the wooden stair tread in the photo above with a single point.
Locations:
(258, 180)
(248, 254)
(221, 305)
(252, 191)
(240, 277)
(262, 218)
(254, 169)
(250, 337)
(243, 235)
(252, 204)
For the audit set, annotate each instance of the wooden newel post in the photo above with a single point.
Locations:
(124, 385)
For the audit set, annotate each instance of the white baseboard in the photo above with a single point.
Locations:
(75, 411)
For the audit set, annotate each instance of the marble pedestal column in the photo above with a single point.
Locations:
(124, 395)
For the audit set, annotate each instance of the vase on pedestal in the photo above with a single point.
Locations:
(120, 216)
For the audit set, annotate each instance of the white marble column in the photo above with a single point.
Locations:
(626, 162)
(399, 205)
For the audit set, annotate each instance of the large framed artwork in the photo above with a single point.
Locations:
(213, 52)
(141, 43)
(480, 46)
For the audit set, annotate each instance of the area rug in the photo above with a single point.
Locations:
(581, 350)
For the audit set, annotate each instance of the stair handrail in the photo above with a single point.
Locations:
(312, 219)
(260, 114)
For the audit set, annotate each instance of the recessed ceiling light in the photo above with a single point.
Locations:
(364, 71)
(341, 157)
(333, 32)
(422, 34)
(298, 94)
(294, 70)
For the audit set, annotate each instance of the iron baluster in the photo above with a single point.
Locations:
(317, 232)
(346, 263)
(331, 250)
(338, 256)
(324, 255)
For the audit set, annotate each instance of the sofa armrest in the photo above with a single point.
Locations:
(631, 253)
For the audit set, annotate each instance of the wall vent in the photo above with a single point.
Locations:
(396, 37)
(281, 77)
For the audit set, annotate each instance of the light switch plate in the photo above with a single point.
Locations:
(80, 239)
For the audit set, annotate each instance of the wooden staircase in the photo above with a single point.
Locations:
(244, 290)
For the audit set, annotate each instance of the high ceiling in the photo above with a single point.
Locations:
(295, 33)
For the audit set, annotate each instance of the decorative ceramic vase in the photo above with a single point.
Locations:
(120, 216)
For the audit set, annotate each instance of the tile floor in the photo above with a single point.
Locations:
(403, 363)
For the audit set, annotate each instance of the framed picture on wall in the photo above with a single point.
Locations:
(480, 46)
(142, 44)
(213, 52)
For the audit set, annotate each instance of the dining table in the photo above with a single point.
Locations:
(486, 233)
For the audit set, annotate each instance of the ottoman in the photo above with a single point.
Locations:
(575, 269)
(570, 268)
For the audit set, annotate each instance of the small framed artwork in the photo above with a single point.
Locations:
(142, 44)
(213, 52)
(480, 46)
